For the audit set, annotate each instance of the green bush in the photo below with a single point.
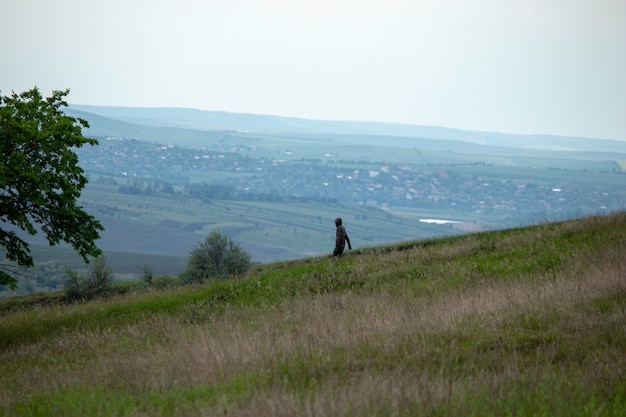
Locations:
(148, 274)
(94, 283)
(217, 257)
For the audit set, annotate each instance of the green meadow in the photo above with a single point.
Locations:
(522, 321)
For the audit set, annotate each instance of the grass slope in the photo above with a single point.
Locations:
(528, 321)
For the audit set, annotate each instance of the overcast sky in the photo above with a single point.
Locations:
(514, 66)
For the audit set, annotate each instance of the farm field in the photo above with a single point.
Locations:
(271, 231)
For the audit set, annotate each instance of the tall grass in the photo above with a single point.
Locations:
(527, 321)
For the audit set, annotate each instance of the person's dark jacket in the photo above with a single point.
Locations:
(341, 238)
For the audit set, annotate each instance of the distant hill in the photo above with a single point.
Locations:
(105, 126)
(150, 123)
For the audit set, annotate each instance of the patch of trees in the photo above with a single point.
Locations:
(43, 277)
(218, 257)
(208, 192)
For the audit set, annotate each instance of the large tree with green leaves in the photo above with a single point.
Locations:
(40, 179)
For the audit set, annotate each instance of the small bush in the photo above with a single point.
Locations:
(217, 257)
(74, 284)
(148, 274)
(92, 284)
(165, 281)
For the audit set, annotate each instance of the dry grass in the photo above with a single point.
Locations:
(417, 332)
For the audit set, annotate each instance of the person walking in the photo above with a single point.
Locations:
(341, 238)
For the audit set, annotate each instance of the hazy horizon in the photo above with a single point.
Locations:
(517, 67)
(373, 122)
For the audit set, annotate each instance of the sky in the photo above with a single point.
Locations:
(512, 66)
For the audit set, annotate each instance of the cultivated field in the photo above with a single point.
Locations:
(528, 321)
(271, 231)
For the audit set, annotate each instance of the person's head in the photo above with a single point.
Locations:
(338, 221)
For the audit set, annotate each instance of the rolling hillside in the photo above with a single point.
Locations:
(526, 321)
(287, 179)
(350, 131)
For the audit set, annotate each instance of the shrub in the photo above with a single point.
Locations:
(217, 257)
(148, 274)
(92, 284)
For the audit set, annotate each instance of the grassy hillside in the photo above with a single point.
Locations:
(528, 321)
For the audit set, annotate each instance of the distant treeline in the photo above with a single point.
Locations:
(206, 192)
(148, 188)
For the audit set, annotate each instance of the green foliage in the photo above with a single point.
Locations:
(148, 274)
(40, 180)
(92, 284)
(217, 257)
(44, 276)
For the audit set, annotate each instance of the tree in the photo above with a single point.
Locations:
(40, 180)
(217, 257)
(92, 284)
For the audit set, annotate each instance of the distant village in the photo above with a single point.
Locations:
(145, 168)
